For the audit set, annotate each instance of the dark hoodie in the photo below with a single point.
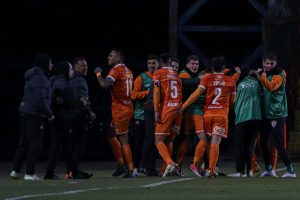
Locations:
(63, 99)
(37, 94)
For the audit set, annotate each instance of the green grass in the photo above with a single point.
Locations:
(103, 186)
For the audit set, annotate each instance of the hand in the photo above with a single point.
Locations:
(238, 70)
(180, 110)
(59, 100)
(92, 116)
(98, 70)
(51, 118)
(85, 101)
(157, 117)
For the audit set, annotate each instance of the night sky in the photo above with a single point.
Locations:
(139, 27)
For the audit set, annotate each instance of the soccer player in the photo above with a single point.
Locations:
(167, 99)
(220, 95)
(194, 114)
(120, 81)
(274, 113)
(142, 158)
(248, 120)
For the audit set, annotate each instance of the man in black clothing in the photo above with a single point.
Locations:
(34, 111)
(63, 101)
(80, 119)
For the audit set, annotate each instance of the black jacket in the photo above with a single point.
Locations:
(37, 94)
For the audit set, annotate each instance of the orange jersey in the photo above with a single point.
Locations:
(219, 89)
(122, 87)
(170, 88)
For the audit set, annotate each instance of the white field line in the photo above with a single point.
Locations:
(95, 189)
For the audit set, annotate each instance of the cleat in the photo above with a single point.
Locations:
(219, 172)
(268, 174)
(33, 177)
(210, 174)
(82, 175)
(14, 175)
(135, 172)
(122, 169)
(169, 169)
(51, 177)
(68, 175)
(289, 175)
(250, 174)
(194, 169)
(236, 175)
(178, 172)
(274, 173)
(129, 175)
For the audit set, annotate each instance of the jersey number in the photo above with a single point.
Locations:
(128, 86)
(174, 89)
(217, 92)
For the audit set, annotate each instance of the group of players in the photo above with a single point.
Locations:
(203, 100)
(157, 102)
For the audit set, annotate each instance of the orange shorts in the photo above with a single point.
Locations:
(216, 125)
(193, 123)
(121, 120)
(170, 124)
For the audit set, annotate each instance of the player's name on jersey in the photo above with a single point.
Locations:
(126, 102)
(214, 107)
(247, 85)
(170, 76)
(172, 104)
(221, 82)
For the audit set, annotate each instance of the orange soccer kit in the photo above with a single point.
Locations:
(122, 110)
(167, 100)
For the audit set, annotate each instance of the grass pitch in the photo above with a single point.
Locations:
(103, 186)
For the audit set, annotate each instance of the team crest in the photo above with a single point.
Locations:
(273, 123)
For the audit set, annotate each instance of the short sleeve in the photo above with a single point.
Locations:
(113, 74)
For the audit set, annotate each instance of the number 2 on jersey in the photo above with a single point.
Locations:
(217, 92)
(174, 89)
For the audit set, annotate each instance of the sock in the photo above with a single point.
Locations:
(182, 151)
(199, 151)
(128, 156)
(253, 163)
(213, 156)
(290, 169)
(164, 152)
(117, 150)
(274, 157)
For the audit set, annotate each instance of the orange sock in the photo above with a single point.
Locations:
(182, 150)
(274, 158)
(128, 156)
(164, 152)
(170, 148)
(213, 156)
(116, 149)
(199, 151)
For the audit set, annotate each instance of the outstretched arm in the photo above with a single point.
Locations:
(104, 83)
(194, 96)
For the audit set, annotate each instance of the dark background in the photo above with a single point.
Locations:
(67, 29)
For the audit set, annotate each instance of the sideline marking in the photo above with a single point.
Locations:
(95, 189)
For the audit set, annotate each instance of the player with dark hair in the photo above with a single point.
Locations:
(274, 111)
(167, 100)
(220, 95)
(119, 80)
(143, 157)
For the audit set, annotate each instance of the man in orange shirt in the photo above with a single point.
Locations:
(167, 98)
(120, 81)
(220, 94)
